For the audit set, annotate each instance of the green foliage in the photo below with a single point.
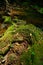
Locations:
(8, 33)
(38, 8)
(7, 19)
(6, 40)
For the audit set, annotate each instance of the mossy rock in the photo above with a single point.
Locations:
(30, 33)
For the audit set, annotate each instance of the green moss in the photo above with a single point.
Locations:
(33, 56)
(30, 33)
(26, 30)
(38, 50)
(25, 58)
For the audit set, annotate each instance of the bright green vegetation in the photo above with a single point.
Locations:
(30, 33)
